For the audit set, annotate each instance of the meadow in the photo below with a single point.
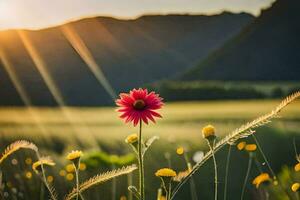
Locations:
(57, 131)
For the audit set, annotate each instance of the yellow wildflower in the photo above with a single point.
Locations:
(74, 155)
(295, 187)
(62, 172)
(165, 172)
(264, 177)
(69, 176)
(70, 168)
(50, 179)
(241, 145)
(28, 161)
(36, 166)
(28, 175)
(82, 166)
(180, 150)
(250, 147)
(130, 139)
(208, 132)
(297, 167)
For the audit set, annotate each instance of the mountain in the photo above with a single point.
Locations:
(267, 49)
(130, 53)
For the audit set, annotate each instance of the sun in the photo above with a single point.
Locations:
(5, 9)
(8, 13)
(5, 12)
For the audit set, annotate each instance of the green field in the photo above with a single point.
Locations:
(57, 131)
(180, 120)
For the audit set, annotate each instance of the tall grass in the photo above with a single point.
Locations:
(243, 131)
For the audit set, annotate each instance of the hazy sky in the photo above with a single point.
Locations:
(43, 13)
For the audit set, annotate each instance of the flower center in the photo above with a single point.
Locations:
(139, 104)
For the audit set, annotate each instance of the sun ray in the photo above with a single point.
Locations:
(21, 91)
(43, 69)
(88, 58)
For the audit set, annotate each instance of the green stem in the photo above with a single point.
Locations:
(264, 156)
(193, 189)
(165, 187)
(141, 164)
(226, 172)
(297, 195)
(129, 183)
(170, 190)
(42, 191)
(77, 182)
(211, 146)
(192, 182)
(114, 186)
(247, 176)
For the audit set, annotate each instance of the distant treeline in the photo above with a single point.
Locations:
(217, 90)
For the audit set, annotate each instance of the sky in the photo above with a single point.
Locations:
(36, 14)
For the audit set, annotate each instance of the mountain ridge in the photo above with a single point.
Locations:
(130, 54)
(266, 49)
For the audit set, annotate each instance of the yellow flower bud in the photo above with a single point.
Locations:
(295, 187)
(241, 145)
(180, 150)
(250, 147)
(133, 138)
(264, 177)
(165, 172)
(297, 167)
(208, 132)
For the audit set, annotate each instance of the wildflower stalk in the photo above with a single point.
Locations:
(297, 195)
(114, 186)
(295, 149)
(141, 164)
(77, 185)
(269, 166)
(243, 131)
(247, 175)
(44, 179)
(170, 190)
(129, 183)
(192, 181)
(264, 157)
(211, 145)
(42, 191)
(227, 171)
(77, 182)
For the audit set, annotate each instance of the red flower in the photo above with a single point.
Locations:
(139, 105)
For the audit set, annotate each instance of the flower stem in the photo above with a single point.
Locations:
(246, 177)
(77, 182)
(227, 171)
(192, 181)
(269, 166)
(44, 178)
(170, 190)
(211, 146)
(129, 183)
(141, 164)
(114, 186)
